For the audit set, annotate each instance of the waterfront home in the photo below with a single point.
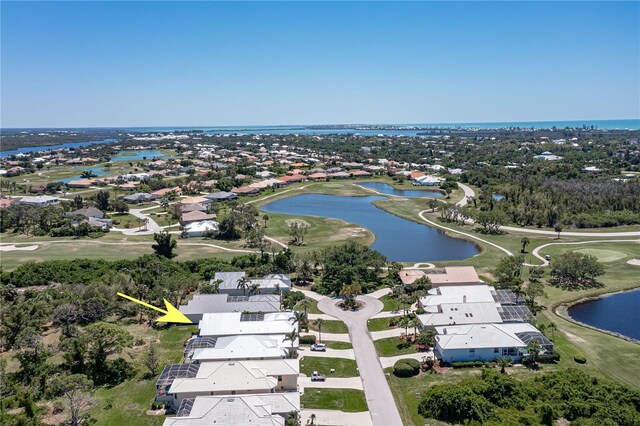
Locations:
(210, 303)
(39, 201)
(239, 323)
(268, 284)
(428, 180)
(360, 174)
(202, 228)
(269, 409)
(80, 183)
(221, 196)
(230, 348)
(485, 342)
(318, 176)
(245, 190)
(227, 378)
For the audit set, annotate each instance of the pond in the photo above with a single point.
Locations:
(497, 197)
(617, 313)
(97, 171)
(145, 154)
(411, 193)
(399, 239)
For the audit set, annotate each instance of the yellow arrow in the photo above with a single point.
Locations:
(171, 314)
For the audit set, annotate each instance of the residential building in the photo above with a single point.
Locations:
(260, 410)
(222, 196)
(196, 216)
(485, 342)
(39, 201)
(230, 348)
(212, 303)
(239, 323)
(268, 284)
(227, 378)
(202, 228)
(450, 275)
(139, 198)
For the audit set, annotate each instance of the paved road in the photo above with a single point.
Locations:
(379, 398)
(468, 192)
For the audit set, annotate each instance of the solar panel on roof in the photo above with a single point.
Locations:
(255, 316)
(517, 313)
(528, 336)
(237, 298)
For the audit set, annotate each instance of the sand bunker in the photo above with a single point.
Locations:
(635, 262)
(12, 247)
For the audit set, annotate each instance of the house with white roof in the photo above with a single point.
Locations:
(239, 323)
(201, 228)
(228, 378)
(236, 348)
(211, 303)
(39, 201)
(428, 181)
(272, 283)
(485, 342)
(261, 409)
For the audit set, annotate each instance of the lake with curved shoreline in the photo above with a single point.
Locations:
(398, 239)
(385, 188)
(618, 313)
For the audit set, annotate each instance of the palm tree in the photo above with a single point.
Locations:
(292, 337)
(312, 418)
(265, 218)
(415, 323)
(525, 242)
(254, 288)
(243, 283)
(298, 318)
(305, 304)
(503, 363)
(553, 327)
(404, 323)
(318, 323)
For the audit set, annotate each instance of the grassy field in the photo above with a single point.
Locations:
(392, 346)
(344, 367)
(379, 324)
(338, 345)
(348, 400)
(330, 326)
(127, 402)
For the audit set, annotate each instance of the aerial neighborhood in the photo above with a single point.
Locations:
(192, 277)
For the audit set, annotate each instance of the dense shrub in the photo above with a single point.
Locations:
(580, 359)
(549, 358)
(308, 339)
(406, 367)
(420, 311)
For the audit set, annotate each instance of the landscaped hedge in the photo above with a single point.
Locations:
(307, 339)
(580, 359)
(406, 367)
(467, 364)
(549, 358)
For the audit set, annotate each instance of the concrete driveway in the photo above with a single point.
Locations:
(382, 406)
(329, 353)
(330, 383)
(335, 417)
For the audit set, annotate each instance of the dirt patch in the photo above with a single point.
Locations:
(634, 262)
(573, 337)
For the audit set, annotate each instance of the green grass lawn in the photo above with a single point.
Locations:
(344, 367)
(348, 400)
(379, 324)
(125, 220)
(392, 346)
(330, 326)
(313, 309)
(338, 345)
(390, 303)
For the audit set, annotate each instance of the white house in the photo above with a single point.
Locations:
(271, 283)
(211, 303)
(39, 201)
(200, 229)
(428, 181)
(261, 409)
(229, 378)
(237, 348)
(239, 323)
(485, 342)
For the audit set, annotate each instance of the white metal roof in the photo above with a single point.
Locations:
(462, 313)
(229, 324)
(246, 347)
(482, 336)
(478, 293)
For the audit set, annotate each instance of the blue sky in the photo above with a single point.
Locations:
(204, 63)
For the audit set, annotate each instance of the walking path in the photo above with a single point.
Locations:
(387, 314)
(381, 404)
(332, 337)
(335, 418)
(317, 316)
(394, 332)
